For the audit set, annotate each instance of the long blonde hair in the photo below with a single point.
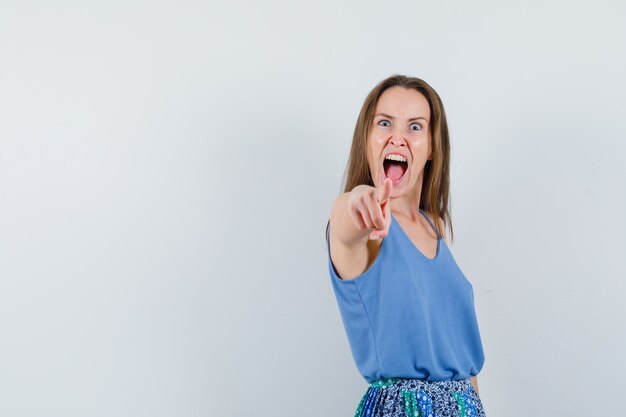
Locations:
(435, 195)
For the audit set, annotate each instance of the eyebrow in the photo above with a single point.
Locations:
(391, 117)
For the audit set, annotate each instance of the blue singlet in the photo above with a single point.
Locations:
(410, 316)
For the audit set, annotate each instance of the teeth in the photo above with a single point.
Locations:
(395, 157)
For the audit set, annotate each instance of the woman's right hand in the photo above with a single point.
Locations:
(369, 208)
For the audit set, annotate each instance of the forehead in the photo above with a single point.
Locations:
(403, 103)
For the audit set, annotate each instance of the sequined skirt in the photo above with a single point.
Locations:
(405, 397)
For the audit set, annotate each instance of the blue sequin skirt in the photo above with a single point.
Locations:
(406, 397)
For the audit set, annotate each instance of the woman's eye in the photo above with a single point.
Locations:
(381, 123)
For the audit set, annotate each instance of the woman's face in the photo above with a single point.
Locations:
(400, 126)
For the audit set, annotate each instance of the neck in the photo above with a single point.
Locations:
(407, 206)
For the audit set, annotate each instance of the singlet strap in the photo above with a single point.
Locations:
(327, 235)
(431, 223)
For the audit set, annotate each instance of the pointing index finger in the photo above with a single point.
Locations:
(385, 191)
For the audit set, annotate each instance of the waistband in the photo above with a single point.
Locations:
(414, 383)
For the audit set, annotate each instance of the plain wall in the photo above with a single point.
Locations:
(167, 170)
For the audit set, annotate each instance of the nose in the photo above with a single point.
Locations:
(397, 137)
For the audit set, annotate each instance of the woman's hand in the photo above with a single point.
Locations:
(369, 208)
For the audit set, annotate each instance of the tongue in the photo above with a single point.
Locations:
(394, 172)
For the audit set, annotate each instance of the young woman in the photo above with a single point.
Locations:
(406, 306)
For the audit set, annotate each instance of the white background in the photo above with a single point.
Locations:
(167, 170)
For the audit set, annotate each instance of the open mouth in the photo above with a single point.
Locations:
(395, 170)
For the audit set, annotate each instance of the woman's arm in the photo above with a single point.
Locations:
(475, 384)
(473, 379)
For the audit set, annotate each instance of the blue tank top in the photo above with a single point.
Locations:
(410, 316)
